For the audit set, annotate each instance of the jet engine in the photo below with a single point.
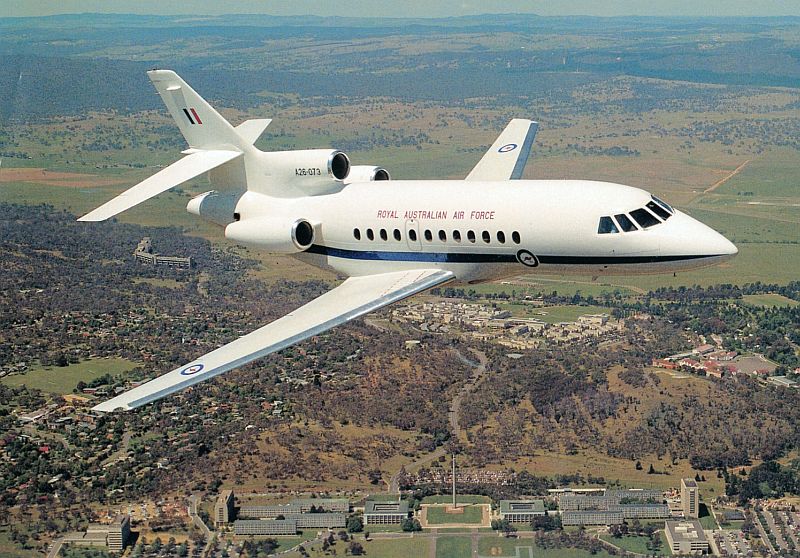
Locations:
(367, 173)
(285, 236)
(315, 171)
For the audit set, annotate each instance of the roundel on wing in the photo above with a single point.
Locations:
(193, 369)
(507, 147)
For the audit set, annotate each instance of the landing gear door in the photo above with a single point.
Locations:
(412, 235)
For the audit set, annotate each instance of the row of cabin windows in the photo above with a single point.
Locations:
(442, 235)
(654, 213)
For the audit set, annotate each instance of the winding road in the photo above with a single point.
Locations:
(454, 415)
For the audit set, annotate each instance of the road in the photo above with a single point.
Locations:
(454, 415)
(198, 521)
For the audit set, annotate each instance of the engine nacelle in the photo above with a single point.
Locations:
(217, 207)
(284, 236)
(315, 171)
(367, 173)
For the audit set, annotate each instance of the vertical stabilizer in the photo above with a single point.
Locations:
(201, 125)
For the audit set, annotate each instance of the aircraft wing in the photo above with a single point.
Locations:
(194, 164)
(507, 156)
(355, 297)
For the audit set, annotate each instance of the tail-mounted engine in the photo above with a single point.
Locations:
(285, 236)
(313, 171)
(367, 173)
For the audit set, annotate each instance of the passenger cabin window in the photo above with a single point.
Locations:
(515, 237)
(370, 234)
(501, 237)
(384, 236)
(624, 223)
(471, 236)
(412, 234)
(442, 236)
(457, 236)
(428, 235)
(397, 236)
(658, 210)
(357, 234)
(487, 238)
(644, 218)
(606, 226)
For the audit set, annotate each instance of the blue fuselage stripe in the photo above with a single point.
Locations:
(467, 258)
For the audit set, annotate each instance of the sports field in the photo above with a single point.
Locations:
(54, 379)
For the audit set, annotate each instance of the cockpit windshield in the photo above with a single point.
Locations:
(653, 213)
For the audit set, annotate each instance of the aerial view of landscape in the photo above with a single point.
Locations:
(537, 416)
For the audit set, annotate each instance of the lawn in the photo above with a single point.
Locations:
(637, 544)
(706, 519)
(10, 550)
(437, 515)
(503, 547)
(769, 300)
(375, 548)
(453, 547)
(460, 498)
(53, 379)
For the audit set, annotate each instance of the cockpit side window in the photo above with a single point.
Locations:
(644, 218)
(606, 226)
(663, 204)
(624, 223)
(658, 210)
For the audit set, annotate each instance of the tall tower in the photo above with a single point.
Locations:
(454, 480)
(690, 499)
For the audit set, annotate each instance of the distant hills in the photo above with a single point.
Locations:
(70, 64)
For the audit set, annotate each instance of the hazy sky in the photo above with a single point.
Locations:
(407, 8)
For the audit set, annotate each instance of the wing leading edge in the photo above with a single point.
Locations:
(353, 298)
(506, 158)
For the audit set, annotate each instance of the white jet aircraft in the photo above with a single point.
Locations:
(394, 239)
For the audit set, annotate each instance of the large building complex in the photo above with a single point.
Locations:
(690, 499)
(385, 513)
(521, 511)
(144, 253)
(609, 507)
(686, 537)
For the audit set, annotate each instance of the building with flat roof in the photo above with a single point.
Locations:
(686, 537)
(385, 513)
(642, 510)
(245, 527)
(114, 536)
(223, 508)
(690, 499)
(521, 511)
(262, 511)
(340, 505)
(591, 517)
(324, 520)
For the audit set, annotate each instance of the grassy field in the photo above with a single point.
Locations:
(638, 544)
(460, 499)
(437, 515)
(53, 379)
(10, 550)
(503, 547)
(375, 548)
(453, 547)
(769, 300)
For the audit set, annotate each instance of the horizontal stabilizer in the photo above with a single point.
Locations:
(353, 298)
(251, 130)
(508, 155)
(185, 169)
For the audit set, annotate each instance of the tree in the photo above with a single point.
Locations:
(410, 524)
(651, 470)
(354, 524)
(356, 549)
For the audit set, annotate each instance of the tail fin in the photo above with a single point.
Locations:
(201, 125)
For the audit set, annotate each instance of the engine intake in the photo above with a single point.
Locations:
(283, 236)
(367, 173)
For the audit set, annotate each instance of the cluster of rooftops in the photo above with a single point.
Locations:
(654, 213)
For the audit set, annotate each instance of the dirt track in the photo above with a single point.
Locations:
(52, 178)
